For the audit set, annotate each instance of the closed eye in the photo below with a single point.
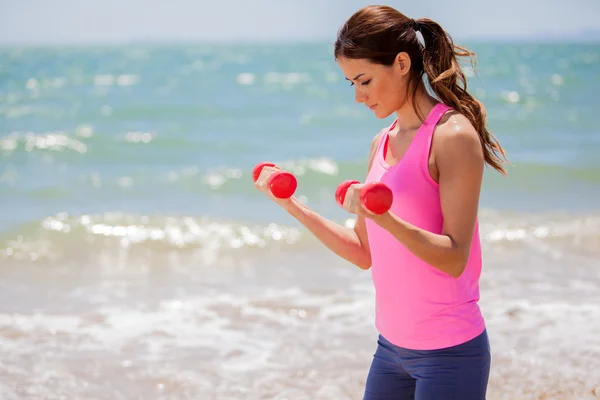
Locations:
(365, 83)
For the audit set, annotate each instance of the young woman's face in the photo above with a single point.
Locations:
(381, 88)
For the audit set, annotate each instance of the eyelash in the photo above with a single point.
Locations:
(365, 83)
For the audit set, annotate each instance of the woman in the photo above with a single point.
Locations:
(425, 252)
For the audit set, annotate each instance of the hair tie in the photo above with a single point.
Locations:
(416, 26)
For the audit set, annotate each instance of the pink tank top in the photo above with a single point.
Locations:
(418, 306)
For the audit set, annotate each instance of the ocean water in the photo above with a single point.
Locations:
(137, 260)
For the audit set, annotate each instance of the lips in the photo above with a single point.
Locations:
(372, 107)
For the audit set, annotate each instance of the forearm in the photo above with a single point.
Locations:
(341, 240)
(439, 251)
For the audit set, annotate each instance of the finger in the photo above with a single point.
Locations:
(263, 178)
(352, 199)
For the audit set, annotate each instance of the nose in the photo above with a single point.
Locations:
(359, 96)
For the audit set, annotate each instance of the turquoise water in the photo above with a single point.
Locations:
(148, 128)
(134, 245)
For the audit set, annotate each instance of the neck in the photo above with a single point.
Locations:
(408, 119)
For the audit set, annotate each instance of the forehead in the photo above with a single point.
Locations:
(352, 67)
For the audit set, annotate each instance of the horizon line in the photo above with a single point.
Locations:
(532, 39)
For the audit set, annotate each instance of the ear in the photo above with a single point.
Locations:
(402, 63)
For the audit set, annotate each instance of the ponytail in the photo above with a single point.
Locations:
(447, 80)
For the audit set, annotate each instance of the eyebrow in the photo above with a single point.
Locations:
(356, 77)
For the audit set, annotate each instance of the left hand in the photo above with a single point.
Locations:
(352, 202)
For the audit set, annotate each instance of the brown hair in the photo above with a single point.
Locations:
(379, 33)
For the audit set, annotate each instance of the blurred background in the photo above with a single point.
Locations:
(137, 261)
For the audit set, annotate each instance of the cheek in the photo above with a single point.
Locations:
(385, 93)
(393, 93)
(379, 91)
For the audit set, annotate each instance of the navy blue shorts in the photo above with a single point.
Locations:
(455, 373)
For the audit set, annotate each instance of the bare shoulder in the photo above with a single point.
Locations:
(455, 137)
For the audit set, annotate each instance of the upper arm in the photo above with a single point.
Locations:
(360, 227)
(460, 163)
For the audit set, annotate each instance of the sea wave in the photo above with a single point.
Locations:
(61, 235)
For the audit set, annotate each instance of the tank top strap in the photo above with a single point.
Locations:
(430, 123)
(382, 139)
(424, 136)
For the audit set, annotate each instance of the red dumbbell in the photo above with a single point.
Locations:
(282, 184)
(375, 196)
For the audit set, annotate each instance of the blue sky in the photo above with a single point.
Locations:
(113, 21)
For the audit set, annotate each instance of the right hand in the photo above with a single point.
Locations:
(262, 184)
(352, 202)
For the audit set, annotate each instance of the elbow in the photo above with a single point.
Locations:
(364, 266)
(364, 262)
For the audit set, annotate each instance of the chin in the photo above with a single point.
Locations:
(382, 114)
